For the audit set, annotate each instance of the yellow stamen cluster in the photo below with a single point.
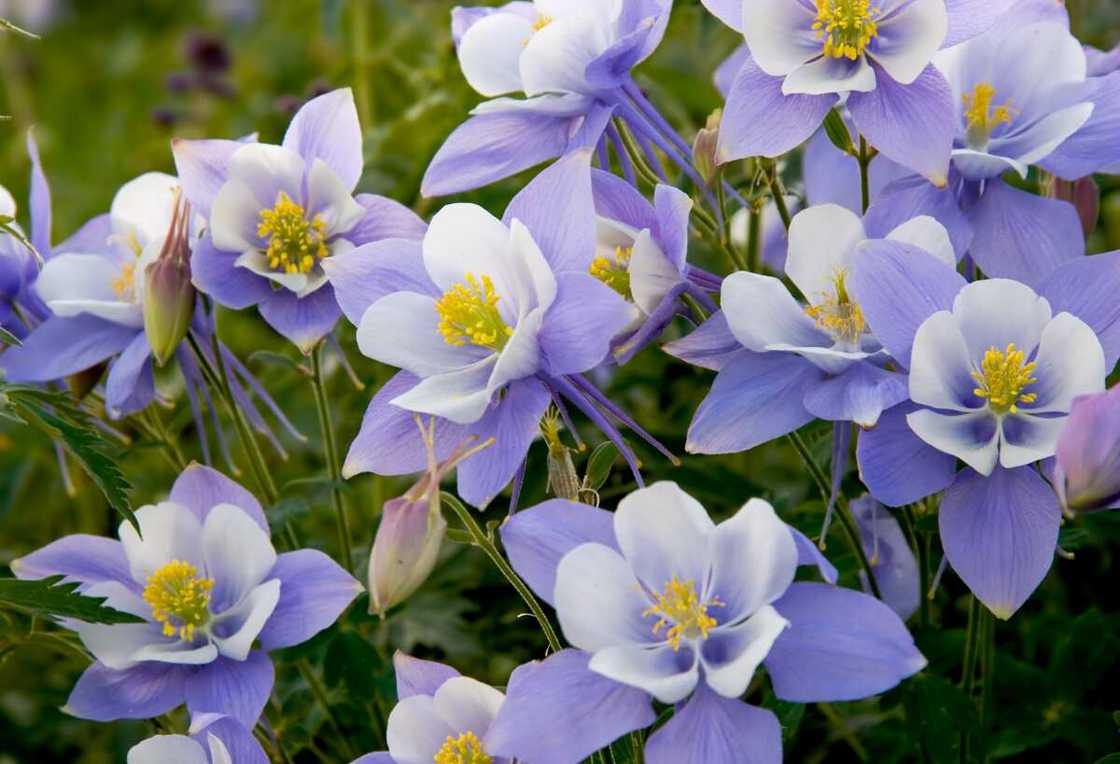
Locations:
(981, 116)
(845, 26)
(614, 271)
(295, 243)
(125, 282)
(469, 313)
(838, 314)
(465, 749)
(541, 22)
(179, 598)
(1002, 377)
(678, 604)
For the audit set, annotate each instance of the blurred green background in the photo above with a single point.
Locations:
(107, 87)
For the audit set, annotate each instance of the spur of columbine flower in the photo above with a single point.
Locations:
(572, 60)
(440, 717)
(202, 574)
(782, 363)
(803, 56)
(276, 213)
(490, 321)
(641, 252)
(1087, 457)
(993, 369)
(892, 561)
(662, 603)
(212, 739)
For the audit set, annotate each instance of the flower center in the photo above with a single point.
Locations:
(468, 312)
(845, 26)
(1002, 377)
(679, 604)
(614, 271)
(179, 598)
(541, 22)
(123, 284)
(465, 749)
(982, 117)
(838, 314)
(295, 243)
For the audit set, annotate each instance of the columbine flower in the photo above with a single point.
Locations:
(1087, 464)
(204, 577)
(440, 717)
(276, 213)
(786, 363)
(892, 560)
(572, 61)
(994, 367)
(213, 739)
(489, 320)
(660, 599)
(804, 55)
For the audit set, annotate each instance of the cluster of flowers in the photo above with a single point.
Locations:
(949, 315)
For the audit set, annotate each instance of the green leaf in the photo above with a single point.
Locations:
(8, 338)
(938, 712)
(60, 418)
(49, 597)
(353, 662)
(1112, 758)
(599, 465)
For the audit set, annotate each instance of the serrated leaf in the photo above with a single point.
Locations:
(599, 465)
(56, 415)
(49, 597)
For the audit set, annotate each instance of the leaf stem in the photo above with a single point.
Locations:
(330, 445)
(864, 174)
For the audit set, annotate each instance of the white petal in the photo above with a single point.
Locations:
(908, 39)
(167, 749)
(527, 272)
(248, 617)
(490, 51)
(1070, 363)
(821, 243)
(7, 203)
(219, 754)
(115, 645)
(402, 330)
(179, 653)
(663, 532)
(599, 603)
(941, 366)
(1045, 135)
(754, 559)
(467, 705)
(556, 56)
(462, 239)
(461, 396)
(329, 199)
(71, 278)
(732, 655)
(520, 357)
(142, 207)
(267, 170)
(1026, 439)
(605, 12)
(239, 554)
(666, 675)
(415, 731)
(761, 313)
(779, 35)
(555, 104)
(167, 532)
(980, 165)
(995, 312)
(652, 275)
(830, 75)
(926, 234)
(972, 438)
(234, 217)
(255, 261)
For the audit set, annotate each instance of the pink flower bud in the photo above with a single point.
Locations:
(169, 295)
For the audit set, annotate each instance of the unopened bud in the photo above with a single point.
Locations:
(1087, 457)
(563, 481)
(838, 133)
(405, 549)
(705, 150)
(169, 296)
(1083, 194)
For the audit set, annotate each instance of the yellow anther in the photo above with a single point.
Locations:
(838, 314)
(468, 312)
(1002, 377)
(981, 116)
(124, 284)
(845, 27)
(679, 607)
(465, 749)
(295, 244)
(614, 271)
(541, 22)
(179, 599)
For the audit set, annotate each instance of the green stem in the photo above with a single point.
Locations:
(359, 41)
(483, 541)
(843, 511)
(919, 542)
(864, 174)
(320, 693)
(754, 238)
(778, 194)
(330, 445)
(637, 157)
(150, 422)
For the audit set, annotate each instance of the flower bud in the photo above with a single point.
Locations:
(169, 295)
(1083, 194)
(563, 482)
(705, 150)
(1087, 458)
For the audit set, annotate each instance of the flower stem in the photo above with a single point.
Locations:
(754, 239)
(864, 174)
(843, 511)
(330, 445)
(483, 541)
(920, 542)
(359, 41)
(778, 193)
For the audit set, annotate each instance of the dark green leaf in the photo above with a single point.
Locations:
(49, 597)
(599, 465)
(938, 712)
(353, 662)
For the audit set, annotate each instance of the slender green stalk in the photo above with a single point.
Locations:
(154, 428)
(360, 44)
(637, 157)
(864, 174)
(843, 511)
(487, 545)
(920, 543)
(778, 194)
(320, 693)
(754, 239)
(330, 445)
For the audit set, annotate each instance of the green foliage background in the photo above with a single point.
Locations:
(96, 90)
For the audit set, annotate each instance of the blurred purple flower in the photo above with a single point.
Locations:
(213, 739)
(1087, 464)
